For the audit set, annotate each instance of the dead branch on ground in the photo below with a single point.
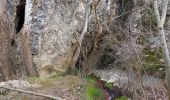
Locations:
(33, 93)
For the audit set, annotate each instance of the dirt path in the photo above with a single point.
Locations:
(68, 88)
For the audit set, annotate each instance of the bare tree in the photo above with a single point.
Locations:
(7, 71)
(160, 24)
(80, 39)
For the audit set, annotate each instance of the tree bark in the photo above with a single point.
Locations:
(26, 43)
(7, 71)
(80, 39)
(160, 24)
(27, 54)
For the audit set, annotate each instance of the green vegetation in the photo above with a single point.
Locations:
(153, 63)
(92, 91)
(122, 98)
(151, 56)
(91, 80)
(109, 85)
(157, 70)
(3, 91)
(148, 20)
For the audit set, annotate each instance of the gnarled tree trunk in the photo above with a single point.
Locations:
(26, 43)
(7, 71)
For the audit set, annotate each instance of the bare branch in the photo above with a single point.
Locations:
(33, 93)
(86, 21)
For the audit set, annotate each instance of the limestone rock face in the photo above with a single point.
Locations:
(53, 26)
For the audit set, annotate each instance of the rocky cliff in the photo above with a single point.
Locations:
(56, 24)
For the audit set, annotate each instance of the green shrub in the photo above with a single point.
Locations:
(153, 64)
(90, 80)
(92, 90)
(109, 85)
(93, 93)
(155, 69)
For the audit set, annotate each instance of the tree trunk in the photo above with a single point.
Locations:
(7, 71)
(160, 24)
(165, 56)
(26, 43)
(80, 39)
(26, 53)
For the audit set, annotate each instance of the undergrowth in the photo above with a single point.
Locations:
(92, 91)
(122, 98)
(153, 63)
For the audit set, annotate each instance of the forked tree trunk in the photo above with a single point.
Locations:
(80, 39)
(7, 71)
(160, 23)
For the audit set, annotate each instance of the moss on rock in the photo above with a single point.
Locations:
(92, 91)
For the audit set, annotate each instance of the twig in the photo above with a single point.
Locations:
(32, 93)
